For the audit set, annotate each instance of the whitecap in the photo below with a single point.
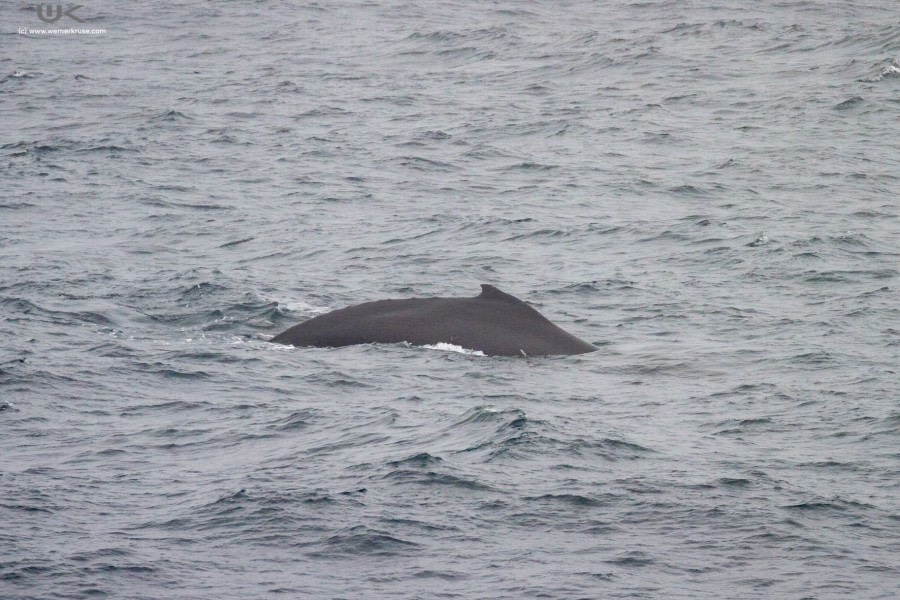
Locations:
(453, 348)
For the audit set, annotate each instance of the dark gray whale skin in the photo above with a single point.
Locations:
(493, 322)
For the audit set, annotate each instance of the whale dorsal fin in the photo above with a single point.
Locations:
(489, 292)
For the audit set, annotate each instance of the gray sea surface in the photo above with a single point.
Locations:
(708, 191)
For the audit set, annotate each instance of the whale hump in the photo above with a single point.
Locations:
(489, 292)
(493, 322)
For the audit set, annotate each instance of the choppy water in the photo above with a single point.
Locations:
(707, 192)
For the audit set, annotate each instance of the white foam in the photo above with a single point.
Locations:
(304, 307)
(453, 348)
(299, 306)
(889, 71)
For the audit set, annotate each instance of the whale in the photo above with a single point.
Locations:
(494, 323)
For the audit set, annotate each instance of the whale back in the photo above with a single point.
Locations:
(493, 322)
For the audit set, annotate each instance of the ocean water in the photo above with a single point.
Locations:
(706, 191)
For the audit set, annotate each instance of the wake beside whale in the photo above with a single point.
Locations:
(493, 322)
